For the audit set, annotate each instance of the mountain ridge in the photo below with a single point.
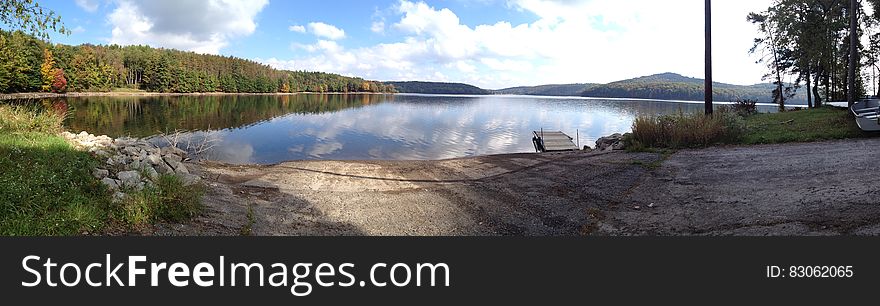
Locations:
(420, 87)
(661, 86)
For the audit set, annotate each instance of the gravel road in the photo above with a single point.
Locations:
(824, 188)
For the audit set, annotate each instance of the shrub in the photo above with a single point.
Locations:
(683, 130)
(22, 119)
(745, 107)
(169, 200)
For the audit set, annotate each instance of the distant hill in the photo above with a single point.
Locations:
(663, 86)
(438, 88)
(547, 90)
(671, 86)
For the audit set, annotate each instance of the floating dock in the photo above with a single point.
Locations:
(553, 141)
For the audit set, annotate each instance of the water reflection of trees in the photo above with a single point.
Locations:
(145, 116)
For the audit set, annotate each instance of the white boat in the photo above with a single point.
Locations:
(867, 112)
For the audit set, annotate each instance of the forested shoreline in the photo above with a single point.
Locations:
(28, 64)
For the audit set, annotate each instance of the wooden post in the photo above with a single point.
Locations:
(708, 93)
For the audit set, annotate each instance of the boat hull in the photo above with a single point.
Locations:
(867, 114)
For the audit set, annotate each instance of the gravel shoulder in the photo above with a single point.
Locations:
(823, 188)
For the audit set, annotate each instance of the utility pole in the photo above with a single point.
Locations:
(853, 51)
(708, 93)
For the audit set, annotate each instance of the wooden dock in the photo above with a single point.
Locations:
(553, 141)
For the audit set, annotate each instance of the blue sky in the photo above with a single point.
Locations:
(488, 43)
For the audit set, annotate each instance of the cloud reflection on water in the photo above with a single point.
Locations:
(419, 127)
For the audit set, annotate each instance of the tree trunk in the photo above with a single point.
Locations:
(809, 94)
(708, 87)
(853, 52)
(877, 87)
(780, 95)
(818, 98)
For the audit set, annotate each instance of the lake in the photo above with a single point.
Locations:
(275, 128)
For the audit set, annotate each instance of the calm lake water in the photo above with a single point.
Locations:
(271, 129)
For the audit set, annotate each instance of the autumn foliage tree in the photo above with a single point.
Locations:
(47, 70)
(28, 64)
(59, 82)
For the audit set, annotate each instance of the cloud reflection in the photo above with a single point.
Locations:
(422, 127)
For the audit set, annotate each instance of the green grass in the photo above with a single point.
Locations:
(823, 123)
(684, 130)
(169, 200)
(15, 119)
(694, 130)
(248, 227)
(124, 90)
(46, 186)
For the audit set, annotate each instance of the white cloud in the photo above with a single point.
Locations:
(78, 29)
(378, 27)
(204, 27)
(297, 28)
(88, 5)
(571, 41)
(321, 29)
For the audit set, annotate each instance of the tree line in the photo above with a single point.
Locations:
(808, 43)
(437, 88)
(28, 64)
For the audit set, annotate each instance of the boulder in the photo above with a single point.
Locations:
(111, 183)
(154, 159)
(120, 160)
(99, 173)
(173, 150)
(133, 151)
(151, 173)
(172, 158)
(129, 179)
(102, 153)
(135, 165)
(163, 168)
(118, 197)
(181, 169)
(188, 179)
(178, 167)
(613, 142)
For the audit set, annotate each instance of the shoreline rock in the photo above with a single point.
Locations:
(611, 142)
(131, 164)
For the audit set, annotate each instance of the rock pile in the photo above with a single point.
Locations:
(613, 142)
(131, 163)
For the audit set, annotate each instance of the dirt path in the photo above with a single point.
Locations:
(823, 188)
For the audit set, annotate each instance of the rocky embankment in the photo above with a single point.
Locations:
(609, 143)
(131, 164)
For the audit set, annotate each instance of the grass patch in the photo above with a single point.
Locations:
(731, 126)
(127, 90)
(20, 119)
(684, 130)
(824, 123)
(47, 189)
(169, 200)
(248, 227)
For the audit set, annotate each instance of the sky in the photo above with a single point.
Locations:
(492, 44)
